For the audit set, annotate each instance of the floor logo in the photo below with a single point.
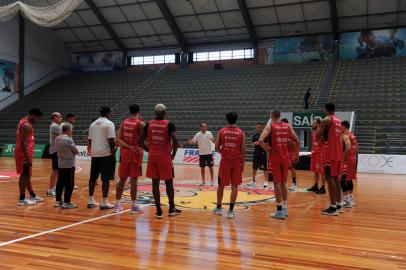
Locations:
(191, 196)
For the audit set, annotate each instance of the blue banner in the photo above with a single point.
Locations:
(304, 49)
(6, 76)
(373, 44)
(99, 61)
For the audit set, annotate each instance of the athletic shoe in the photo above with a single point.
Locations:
(50, 193)
(92, 205)
(351, 199)
(322, 190)
(347, 204)
(117, 208)
(202, 184)
(106, 206)
(285, 211)
(278, 215)
(212, 184)
(217, 211)
(314, 188)
(159, 214)
(292, 188)
(69, 206)
(340, 209)
(135, 209)
(37, 199)
(252, 184)
(230, 214)
(330, 211)
(75, 187)
(58, 205)
(174, 212)
(26, 202)
(265, 185)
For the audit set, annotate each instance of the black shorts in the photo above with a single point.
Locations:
(54, 158)
(260, 162)
(206, 161)
(104, 166)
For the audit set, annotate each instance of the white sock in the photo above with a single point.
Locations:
(134, 202)
(105, 201)
(91, 200)
(118, 201)
(285, 204)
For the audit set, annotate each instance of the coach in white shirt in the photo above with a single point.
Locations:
(204, 139)
(101, 142)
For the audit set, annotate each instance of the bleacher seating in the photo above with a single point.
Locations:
(374, 88)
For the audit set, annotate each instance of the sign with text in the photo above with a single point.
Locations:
(305, 119)
(383, 164)
(8, 150)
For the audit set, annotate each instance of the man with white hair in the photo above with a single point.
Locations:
(162, 145)
(54, 131)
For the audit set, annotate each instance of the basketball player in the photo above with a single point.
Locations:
(294, 159)
(23, 155)
(279, 159)
(349, 165)
(67, 151)
(316, 161)
(101, 142)
(54, 131)
(131, 155)
(230, 143)
(162, 145)
(204, 140)
(259, 158)
(330, 133)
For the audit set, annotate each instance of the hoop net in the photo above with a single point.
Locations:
(42, 12)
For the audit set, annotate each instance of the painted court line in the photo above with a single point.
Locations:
(79, 169)
(60, 228)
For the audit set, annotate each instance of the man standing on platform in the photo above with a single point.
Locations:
(23, 155)
(101, 141)
(279, 158)
(54, 131)
(204, 140)
(316, 161)
(162, 145)
(131, 155)
(230, 143)
(330, 133)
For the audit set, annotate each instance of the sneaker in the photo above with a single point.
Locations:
(340, 209)
(322, 190)
(75, 187)
(106, 206)
(285, 211)
(292, 188)
(330, 211)
(37, 199)
(50, 193)
(252, 184)
(135, 209)
(69, 206)
(314, 188)
(117, 208)
(217, 211)
(212, 184)
(230, 214)
(265, 185)
(58, 204)
(174, 212)
(351, 199)
(26, 202)
(347, 204)
(92, 205)
(278, 215)
(159, 214)
(202, 184)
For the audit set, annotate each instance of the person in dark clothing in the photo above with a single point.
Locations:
(307, 98)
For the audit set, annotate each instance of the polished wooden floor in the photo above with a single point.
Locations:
(371, 236)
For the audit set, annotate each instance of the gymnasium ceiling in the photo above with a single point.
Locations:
(146, 24)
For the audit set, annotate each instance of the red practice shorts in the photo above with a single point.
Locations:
(230, 172)
(316, 164)
(20, 165)
(331, 168)
(279, 170)
(349, 168)
(129, 169)
(160, 167)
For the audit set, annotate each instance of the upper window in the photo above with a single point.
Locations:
(223, 55)
(149, 60)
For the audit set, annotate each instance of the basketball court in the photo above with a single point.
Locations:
(370, 236)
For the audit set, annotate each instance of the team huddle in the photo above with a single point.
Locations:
(333, 158)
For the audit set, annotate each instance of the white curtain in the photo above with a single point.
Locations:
(42, 12)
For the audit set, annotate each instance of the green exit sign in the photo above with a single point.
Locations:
(305, 119)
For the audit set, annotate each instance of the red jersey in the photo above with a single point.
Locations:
(18, 152)
(353, 140)
(159, 140)
(280, 135)
(231, 139)
(130, 135)
(293, 150)
(332, 145)
(316, 146)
